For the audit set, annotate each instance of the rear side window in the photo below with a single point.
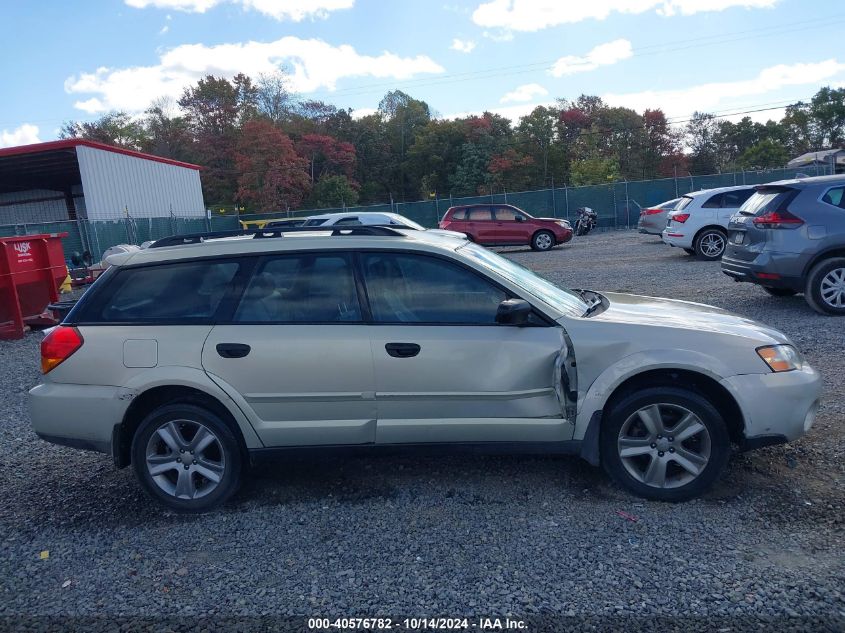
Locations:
(480, 214)
(315, 222)
(459, 214)
(835, 197)
(735, 199)
(188, 291)
(348, 222)
(301, 289)
(714, 202)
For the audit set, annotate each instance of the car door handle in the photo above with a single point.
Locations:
(402, 350)
(233, 350)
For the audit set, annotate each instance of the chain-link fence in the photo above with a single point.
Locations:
(617, 204)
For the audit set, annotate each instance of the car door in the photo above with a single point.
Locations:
(445, 371)
(511, 226)
(482, 225)
(295, 353)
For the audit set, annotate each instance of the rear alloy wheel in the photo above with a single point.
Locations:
(664, 443)
(780, 292)
(542, 241)
(710, 244)
(825, 291)
(186, 458)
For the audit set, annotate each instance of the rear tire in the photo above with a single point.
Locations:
(710, 244)
(186, 458)
(664, 443)
(825, 289)
(542, 241)
(780, 292)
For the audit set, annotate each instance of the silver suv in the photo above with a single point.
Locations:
(193, 358)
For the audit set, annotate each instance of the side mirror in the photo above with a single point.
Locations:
(520, 218)
(513, 312)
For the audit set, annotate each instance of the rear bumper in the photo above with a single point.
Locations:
(778, 407)
(765, 270)
(81, 416)
(676, 237)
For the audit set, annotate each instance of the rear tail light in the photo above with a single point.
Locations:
(777, 220)
(651, 211)
(58, 346)
(681, 217)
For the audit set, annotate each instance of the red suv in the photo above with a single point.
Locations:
(505, 225)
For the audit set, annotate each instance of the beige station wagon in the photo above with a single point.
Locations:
(193, 358)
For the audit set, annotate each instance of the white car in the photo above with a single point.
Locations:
(699, 224)
(351, 218)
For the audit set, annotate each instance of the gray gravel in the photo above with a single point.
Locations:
(536, 537)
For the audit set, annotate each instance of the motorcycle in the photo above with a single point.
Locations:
(586, 221)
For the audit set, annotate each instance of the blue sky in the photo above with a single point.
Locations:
(66, 60)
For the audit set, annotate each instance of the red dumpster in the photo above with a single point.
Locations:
(32, 267)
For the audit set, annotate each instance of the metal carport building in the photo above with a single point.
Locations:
(100, 194)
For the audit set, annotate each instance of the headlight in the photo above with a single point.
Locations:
(780, 357)
(563, 223)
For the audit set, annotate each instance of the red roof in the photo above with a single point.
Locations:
(69, 143)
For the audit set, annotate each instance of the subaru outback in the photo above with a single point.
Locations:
(198, 356)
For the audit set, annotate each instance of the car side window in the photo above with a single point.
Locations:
(459, 214)
(348, 222)
(714, 202)
(480, 214)
(505, 214)
(407, 288)
(301, 289)
(835, 197)
(164, 292)
(735, 199)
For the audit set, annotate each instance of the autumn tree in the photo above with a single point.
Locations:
(271, 175)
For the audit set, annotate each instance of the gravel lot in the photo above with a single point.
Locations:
(459, 536)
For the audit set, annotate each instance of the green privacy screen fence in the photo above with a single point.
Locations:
(617, 204)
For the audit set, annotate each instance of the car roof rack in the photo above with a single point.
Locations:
(198, 238)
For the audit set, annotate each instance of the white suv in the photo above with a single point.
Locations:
(699, 223)
(194, 357)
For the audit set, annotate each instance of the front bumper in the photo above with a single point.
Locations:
(777, 407)
(81, 416)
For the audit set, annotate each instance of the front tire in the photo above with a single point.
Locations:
(825, 290)
(710, 244)
(689, 251)
(542, 241)
(186, 458)
(664, 443)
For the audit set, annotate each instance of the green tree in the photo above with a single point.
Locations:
(113, 128)
(701, 139)
(332, 192)
(766, 154)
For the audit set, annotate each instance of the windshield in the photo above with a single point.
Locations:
(403, 221)
(683, 203)
(566, 301)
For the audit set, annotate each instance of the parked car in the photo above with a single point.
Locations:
(284, 223)
(699, 223)
(506, 225)
(350, 218)
(187, 361)
(653, 219)
(789, 238)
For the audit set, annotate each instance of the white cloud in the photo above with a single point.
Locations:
(313, 64)
(514, 112)
(296, 10)
(533, 15)
(526, 92)
(601, 55)
(360, 113)
(464, 46)
(719, 96)
(23, 135)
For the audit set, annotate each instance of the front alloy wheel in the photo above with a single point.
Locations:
(664, 443)
(542, 241)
